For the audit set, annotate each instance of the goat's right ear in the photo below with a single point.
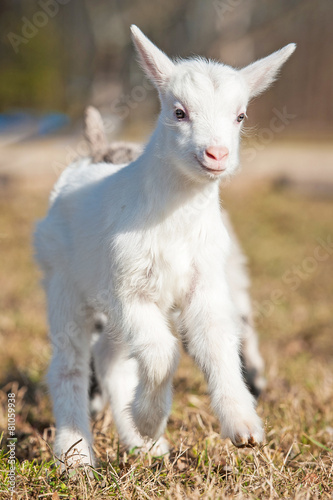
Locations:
(260, 74)
(157, 66)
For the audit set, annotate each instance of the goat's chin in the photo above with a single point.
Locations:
(200, 176)
(225, 176)
(194, 171)
(211, 176)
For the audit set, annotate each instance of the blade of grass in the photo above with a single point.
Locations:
(317, 443)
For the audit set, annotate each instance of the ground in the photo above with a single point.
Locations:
(282, 212)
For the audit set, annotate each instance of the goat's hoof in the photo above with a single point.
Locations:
(244, 432)
(248, 437)
(157, 448)
(79, 456)
(154, 448)
(245, 441)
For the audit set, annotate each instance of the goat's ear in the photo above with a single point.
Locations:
(260, 74)
(157, 66)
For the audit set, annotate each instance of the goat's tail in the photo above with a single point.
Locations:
(94, 132)
(118, 153)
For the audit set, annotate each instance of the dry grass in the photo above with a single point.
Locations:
(278, 230)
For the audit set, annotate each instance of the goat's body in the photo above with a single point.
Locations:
(155, 254)
(144, 246)
(146, 250)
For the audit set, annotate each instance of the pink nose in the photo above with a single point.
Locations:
(216, 153)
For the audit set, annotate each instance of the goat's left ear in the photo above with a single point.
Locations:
(157, 66)
(260, 74)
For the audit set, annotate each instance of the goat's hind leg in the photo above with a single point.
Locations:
(68, 375)
(117, 375)
(238, 280)
(252, 362)
(156, 351)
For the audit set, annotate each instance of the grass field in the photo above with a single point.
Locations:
(292, 271)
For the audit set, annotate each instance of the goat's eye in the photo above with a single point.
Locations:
(241, 117)
(180, 114)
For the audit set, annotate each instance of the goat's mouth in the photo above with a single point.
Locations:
(212, 171)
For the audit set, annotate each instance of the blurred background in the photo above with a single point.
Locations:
(60, 55)
(57, 57)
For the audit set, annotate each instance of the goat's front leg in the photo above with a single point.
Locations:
(157, 353)
(68, 374)
(212, 337)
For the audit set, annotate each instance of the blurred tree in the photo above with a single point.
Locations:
(46, 59)
(84, 54)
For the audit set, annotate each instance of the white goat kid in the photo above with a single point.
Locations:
(135, 244)
(253, 366)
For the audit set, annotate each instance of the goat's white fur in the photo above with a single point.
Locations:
(146, 246)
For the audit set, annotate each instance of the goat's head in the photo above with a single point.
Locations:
(203, 105)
